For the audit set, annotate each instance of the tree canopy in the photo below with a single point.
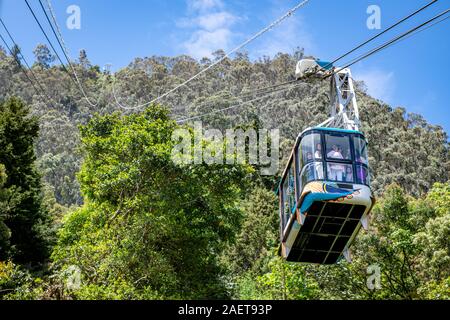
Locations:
(22, 215)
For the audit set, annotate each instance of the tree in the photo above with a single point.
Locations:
(83, 60)
(257, 236)
(44, 57)
(149, 227)
(5, 232)
(15, 52)
(23, 215)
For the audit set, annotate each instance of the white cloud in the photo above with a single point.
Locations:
(211, 27)
(217, 20)
(286, 37)
(204, 5)
(203, 42)
(380, 84)
(210, 21)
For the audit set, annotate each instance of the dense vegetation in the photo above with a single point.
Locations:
(93, 207)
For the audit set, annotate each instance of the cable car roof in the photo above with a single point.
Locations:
(333, 130)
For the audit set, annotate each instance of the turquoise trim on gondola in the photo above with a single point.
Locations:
(330, 192)
(294, 208)
(278, 187)
(324, 64)
(312, 197)
(337, 130)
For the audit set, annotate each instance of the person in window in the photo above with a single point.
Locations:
(318, 153)
(335, 153)
(336, 169)
(348, 174)
(318, 165)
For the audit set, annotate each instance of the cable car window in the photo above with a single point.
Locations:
(362, 175)
(337, 147)
(311, 149)
(312, 171)
(288, 196)
(360, 150)
(291, 191)
(340, 172)
(285, 199)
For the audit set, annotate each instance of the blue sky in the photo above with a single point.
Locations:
(412, 74)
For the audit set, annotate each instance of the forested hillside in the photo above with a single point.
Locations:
(107, 201)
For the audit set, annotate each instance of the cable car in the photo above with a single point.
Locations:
(324, 194)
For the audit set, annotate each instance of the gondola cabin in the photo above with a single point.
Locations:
(324, 195)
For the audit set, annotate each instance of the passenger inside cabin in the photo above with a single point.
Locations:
(318, 153)
(336, 170)
(336, 152)
(319, 170)
(349, 174)
(318, 165)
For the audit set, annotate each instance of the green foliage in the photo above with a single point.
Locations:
(44, 57)
(149, 228)
(5, 203)
(436, 290)
(23, 219)
(250, 252)
(17, 283)
(287, 281)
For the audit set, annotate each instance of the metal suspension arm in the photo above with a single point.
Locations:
(344, 113)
